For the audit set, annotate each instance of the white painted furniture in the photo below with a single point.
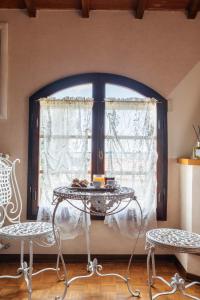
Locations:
(189, 208)
(99, 202)
(32, 233)
(174, 240)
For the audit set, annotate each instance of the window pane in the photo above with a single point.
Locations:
(117, 91)
(65, 144)
(131, 143)
(83, 90)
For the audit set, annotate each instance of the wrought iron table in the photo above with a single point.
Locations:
(101, 203)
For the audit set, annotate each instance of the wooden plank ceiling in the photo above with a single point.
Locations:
(138, 7)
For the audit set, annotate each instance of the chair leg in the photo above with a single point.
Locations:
(22, 254)
(149, 272)
(153, 266)
(189, 295)
(20, 270)
(189, 286)
(28, 270)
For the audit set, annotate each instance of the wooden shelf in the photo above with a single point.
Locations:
(188, 161)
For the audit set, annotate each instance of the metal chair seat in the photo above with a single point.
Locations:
(26, 230)
(175, 240)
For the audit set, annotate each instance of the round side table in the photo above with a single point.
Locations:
(174, 240)
(101, 202)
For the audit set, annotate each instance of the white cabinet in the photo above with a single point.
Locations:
(190, 208)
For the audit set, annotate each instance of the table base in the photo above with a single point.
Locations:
(94, 268)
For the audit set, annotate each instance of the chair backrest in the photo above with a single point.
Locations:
(10, 198)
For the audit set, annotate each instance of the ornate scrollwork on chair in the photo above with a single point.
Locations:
(38, 233)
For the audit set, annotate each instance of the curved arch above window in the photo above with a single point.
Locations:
(98, 86)
(96, 78)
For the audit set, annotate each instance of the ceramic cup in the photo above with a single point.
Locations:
(97, 184)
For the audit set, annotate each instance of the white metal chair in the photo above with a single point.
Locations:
(38, 233)
(174, 240)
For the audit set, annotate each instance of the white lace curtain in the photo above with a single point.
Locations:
(130, 155)
(65, 153)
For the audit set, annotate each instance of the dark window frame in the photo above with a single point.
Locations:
(98, 80)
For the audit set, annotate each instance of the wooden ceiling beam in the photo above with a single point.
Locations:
(139, 12)
(193, 9)
(85, 4)
(31, 8)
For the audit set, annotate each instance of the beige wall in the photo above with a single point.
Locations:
(159, 51)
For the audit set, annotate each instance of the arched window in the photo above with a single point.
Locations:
(103, 88)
